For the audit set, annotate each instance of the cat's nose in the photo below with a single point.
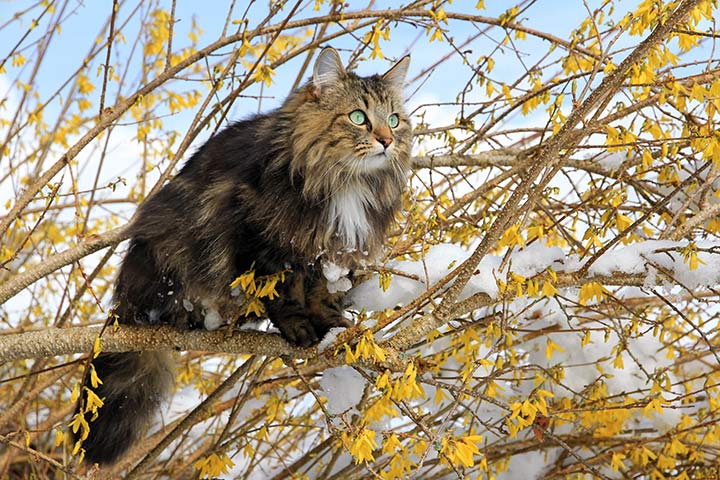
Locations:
(384, 141)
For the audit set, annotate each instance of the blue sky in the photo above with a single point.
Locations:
(85, 22)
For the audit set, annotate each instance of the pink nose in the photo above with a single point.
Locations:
(384, 141)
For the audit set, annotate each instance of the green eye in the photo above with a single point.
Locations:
(358, 117)
(393, 120)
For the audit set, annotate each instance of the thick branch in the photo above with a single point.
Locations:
(502, 158)
(64, 341)
(492, 158)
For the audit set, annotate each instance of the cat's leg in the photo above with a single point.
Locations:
(293, 322)
(147, 294)
(305, 310)
(289, 314)
(326, 309)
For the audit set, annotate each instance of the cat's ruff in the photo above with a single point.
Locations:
(347, 214)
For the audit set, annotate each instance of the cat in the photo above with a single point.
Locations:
(313, 183)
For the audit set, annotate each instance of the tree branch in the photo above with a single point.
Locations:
(64, 341)
(97, 242)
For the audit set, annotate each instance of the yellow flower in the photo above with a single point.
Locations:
(79, 423)
(363, 445)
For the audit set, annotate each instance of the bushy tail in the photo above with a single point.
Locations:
(133, 387)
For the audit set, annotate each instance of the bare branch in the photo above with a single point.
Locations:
(65, 341)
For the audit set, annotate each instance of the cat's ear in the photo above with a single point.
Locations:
(328, 68)
(397, 73)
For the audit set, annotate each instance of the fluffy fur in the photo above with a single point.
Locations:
(284, 190)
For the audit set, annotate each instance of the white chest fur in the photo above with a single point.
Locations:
(348, 214)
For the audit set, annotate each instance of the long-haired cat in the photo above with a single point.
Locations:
(318, 180)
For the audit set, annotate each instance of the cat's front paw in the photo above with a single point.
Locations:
(298, 331)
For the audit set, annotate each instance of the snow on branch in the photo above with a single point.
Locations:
(645, 264)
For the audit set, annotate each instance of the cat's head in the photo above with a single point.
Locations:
(348, 126)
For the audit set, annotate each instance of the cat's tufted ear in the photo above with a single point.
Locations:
(328, 68)
(397, 73)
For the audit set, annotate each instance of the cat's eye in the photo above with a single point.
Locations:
(393, 120)
(358, 117)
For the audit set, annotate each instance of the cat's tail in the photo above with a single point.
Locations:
(134, 385)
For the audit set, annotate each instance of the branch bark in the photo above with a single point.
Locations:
(65, 341)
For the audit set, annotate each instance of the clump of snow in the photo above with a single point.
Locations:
(584, 365)
(485, 278)
(336, 276)
(536, 258)
(629, 259)
(261, 325)
(530, 465)
(636, 258)
(342, 285)
(211, 318)
(332, 271)
(343, 387)
(153, 316)
(440, 260)
(645, 257)
(329, 339)
(643, 356)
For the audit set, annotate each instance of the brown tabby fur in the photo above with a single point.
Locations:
(286, 190)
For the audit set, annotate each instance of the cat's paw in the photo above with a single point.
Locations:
(299, 331)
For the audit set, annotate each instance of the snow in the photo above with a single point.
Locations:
(153, 316)
(337, 277)
(332, 271)
(636, 258)
(583, 365)
(529, 466)
(643, 355)
(342, 285)
(630, 259)
(438, 262)
(647, 256)
(211, 318)
(343, 387)
(329, 339)
(535, 258)
(611, 161)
